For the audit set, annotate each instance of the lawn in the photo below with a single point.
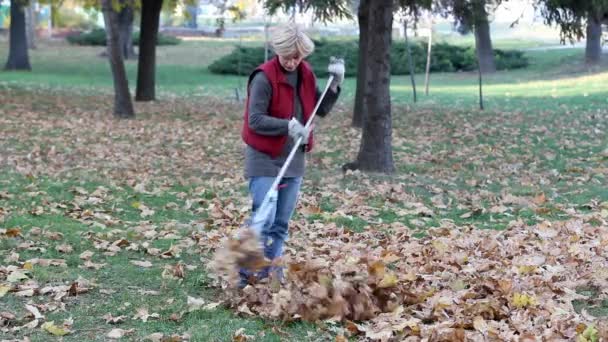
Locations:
(109, 224)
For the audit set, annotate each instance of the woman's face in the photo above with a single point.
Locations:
(290, 63)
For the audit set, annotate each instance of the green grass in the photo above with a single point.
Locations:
(554, 79)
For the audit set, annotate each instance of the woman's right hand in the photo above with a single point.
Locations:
(297, 130)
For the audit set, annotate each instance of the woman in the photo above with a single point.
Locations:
(281, 96)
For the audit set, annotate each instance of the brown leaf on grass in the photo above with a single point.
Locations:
(142, 313)
(55, 236)
(34, 311)
(240, 336)
(11, 232)
(64, 248)
(48, 262)
(113, 320)
(540, 199)
(142, 263)
(155, 337)
(174, 271)
(194, 303)
(91, 265)
(86, 255)
(77, 288)
(119, 333)
(17, 275)
(25, 293)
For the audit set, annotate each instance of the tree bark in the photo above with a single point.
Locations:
(483, 41)
(480, 78)
(360, 108)
(125, 23)
(123, 107)
(410, 60)
(593, 48)
(146, 66)
(30, 19)
(429, 50)
(192, 12)
(18, 58)
(375, 152)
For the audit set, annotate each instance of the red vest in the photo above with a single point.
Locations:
(281, 105)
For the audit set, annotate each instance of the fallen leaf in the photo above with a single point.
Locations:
(211, 306)
(86, 255)
(240, 336)
(12, 232)
(64, 248)
(142, 313)
(155, 337)
(389, 280)
(16, 276)
(119, 333)
(143, 263)
(34, 310)
(194, 303)
(113, 320)
(51, 328)
(4, 290)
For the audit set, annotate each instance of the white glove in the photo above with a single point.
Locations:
(296, 130)
(336, 68)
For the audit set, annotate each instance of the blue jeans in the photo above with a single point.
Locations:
(275, 231)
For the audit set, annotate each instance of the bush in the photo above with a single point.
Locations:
(94, 37)
(98, 37)
(242, 60)
(444, 58)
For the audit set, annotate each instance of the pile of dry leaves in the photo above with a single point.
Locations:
(456, 284)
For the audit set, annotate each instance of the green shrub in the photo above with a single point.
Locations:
(510, 59)
(98, 37)
(94, 37)
(161, 39)
(242, 60)
(444, 58)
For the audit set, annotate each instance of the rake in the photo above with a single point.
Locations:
(261, 216)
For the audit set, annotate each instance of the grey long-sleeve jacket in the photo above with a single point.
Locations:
(260, 92)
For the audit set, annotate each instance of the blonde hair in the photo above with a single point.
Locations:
(288, 39)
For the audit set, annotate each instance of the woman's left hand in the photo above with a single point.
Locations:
(336, 68)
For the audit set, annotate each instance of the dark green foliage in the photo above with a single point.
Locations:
(510, 59)
(571, 16)
(322, 9)
(445, 58)
(241, 61)
(98, 37)
(94, 37)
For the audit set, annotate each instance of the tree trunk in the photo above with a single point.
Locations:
(429, 50)
(410, 60)
(125, 23)
(483, 41)
(192, 14)
(123, 107)
(18, 58)
(593, 49)
(360, 108)
(146, 66)
(479, 73)
(266, 39)
(30, 19)
(375, 152)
